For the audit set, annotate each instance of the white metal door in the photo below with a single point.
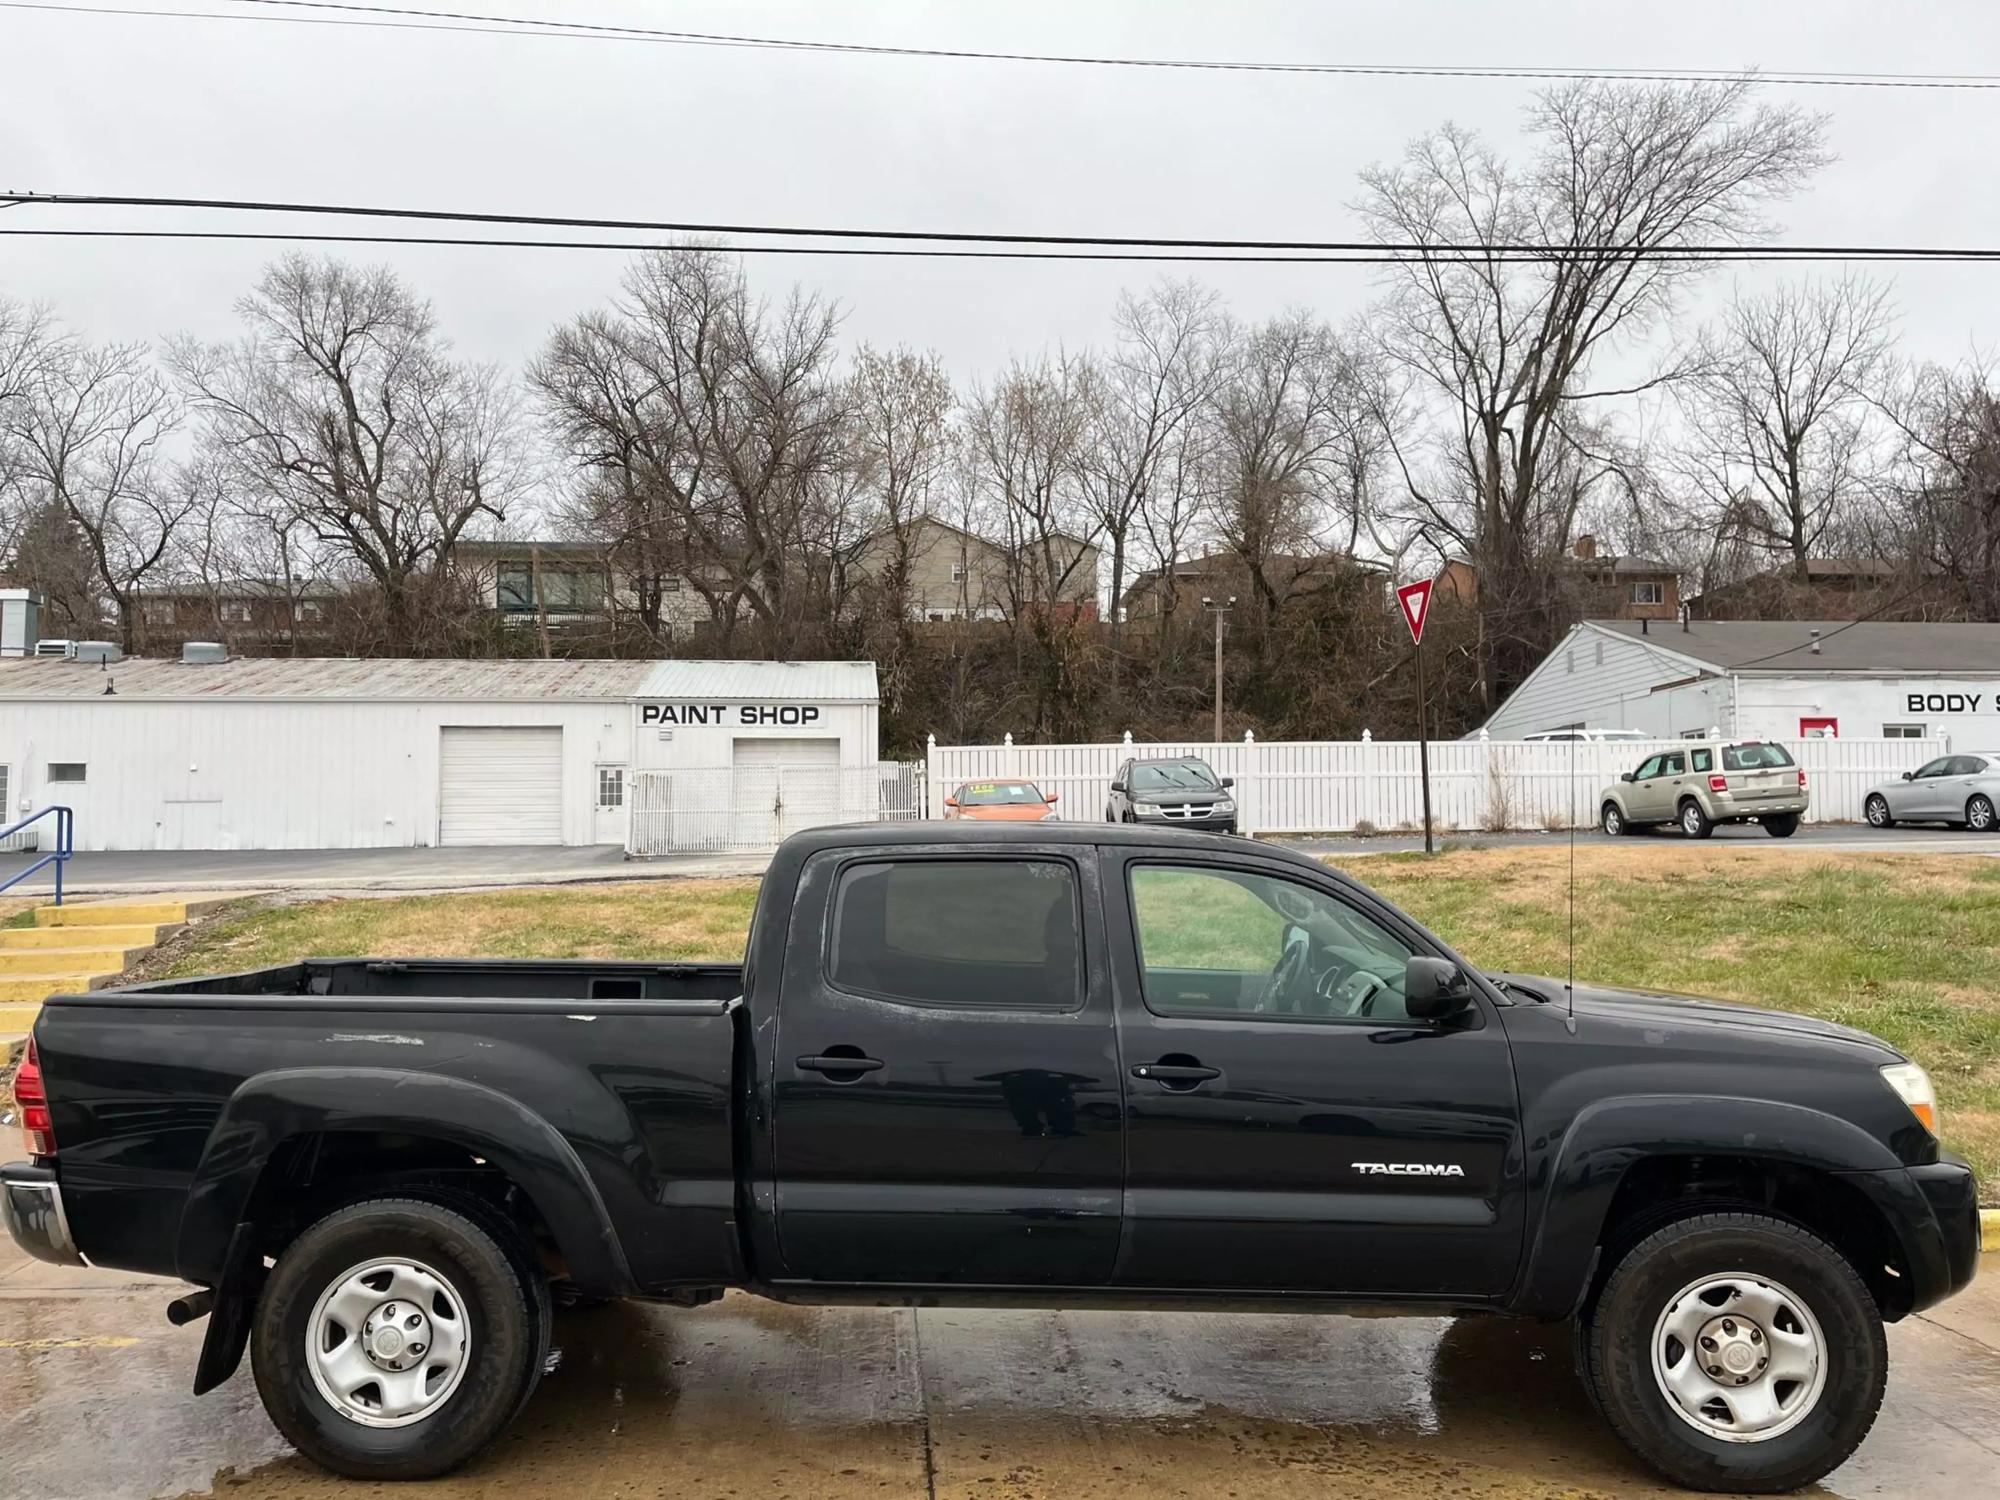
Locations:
(781, 786)
(500, 786)
(613, 793)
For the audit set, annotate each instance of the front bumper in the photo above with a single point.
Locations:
(31, 1206)
(1934, 1212)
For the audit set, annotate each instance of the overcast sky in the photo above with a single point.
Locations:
(210, 108)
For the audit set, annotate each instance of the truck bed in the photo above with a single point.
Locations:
(626, 1070)
(478, 979)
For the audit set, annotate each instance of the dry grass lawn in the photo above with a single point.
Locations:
(1907, 947)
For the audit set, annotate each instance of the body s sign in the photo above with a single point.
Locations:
(1944, 703)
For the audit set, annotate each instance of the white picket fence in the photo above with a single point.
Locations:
(713, 809)
(1339, 786)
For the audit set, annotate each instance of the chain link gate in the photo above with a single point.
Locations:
(753, 809)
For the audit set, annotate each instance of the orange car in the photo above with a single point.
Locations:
(1000, 802)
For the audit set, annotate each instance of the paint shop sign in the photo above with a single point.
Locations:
(1947, 703)
(733, 715)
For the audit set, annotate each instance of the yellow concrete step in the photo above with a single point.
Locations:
(41, 986)
(110, 914)
(77, 960)
(140, 935)
(158, 910)
(17, 1019)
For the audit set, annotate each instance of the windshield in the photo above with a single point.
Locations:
(1754, 757)
(997, 793)
(1172, 776)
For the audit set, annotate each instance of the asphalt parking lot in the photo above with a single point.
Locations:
(750, 1399)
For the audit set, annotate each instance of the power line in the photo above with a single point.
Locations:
(1393, 258)
(1397, 251)
(397, 18)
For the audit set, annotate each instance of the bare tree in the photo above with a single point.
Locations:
(1028, 435)
(751, 387)
(903, 405)
(1781, 414)
(1163, 371)
(1947, 419)
(1629, 184)
(86, 430)
(1298, 442)
(343, 406)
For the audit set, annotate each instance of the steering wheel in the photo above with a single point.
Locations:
(1283, 986)
(1349, 991)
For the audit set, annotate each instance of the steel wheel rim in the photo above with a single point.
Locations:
(388, 1342)
(1691, 819)
(1611, 820)
(1739, 1358)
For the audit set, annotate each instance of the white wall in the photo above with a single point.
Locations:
(1964, 711)
(247, 774)
(1607, 680)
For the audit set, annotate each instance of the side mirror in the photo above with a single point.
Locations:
(951, 802)
(1434, 988)
(1052, 798)
(1228, 782)
(1118, 786)
(1909, 776)
(1629, 776)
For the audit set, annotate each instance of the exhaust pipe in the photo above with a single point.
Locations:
(184, 1310)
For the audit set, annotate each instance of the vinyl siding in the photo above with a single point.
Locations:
(1606, 681)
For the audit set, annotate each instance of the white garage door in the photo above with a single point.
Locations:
(500, 786)
(748, 752)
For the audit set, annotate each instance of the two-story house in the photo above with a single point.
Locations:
(1607, 586)
(955, 574)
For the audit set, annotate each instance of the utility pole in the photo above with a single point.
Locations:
(1219, 608)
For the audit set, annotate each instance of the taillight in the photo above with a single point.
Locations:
(1718, 783)
(1802, 776)
(34, 1102)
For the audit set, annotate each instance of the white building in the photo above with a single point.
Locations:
(1775, 679)
(301, 753)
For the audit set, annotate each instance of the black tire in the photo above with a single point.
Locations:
(1618, 1344)
(1692, 820)
(1612, 821)
(1782, 826)
(1876, 810)
(1979, 814)
(505, 1304)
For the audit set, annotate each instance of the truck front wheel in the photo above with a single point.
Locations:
(396, 1337)
(1737, 1352)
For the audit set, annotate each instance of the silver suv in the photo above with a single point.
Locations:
(1738, 781)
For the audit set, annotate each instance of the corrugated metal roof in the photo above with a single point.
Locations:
(1844, 646)
(763, 681)
(313, 677)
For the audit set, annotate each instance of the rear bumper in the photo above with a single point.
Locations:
(1727, 809)
(31, 1206)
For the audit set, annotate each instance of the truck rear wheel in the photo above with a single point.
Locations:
(1782, 825)
(396, 1337)
(1737, 1352)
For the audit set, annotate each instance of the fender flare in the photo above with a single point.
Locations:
(1608, 1137)
(268, 1108)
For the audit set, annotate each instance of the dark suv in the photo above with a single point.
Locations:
(1180, 792)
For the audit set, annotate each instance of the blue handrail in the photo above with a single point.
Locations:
(59, 856)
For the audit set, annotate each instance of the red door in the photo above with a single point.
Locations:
(1819, 729)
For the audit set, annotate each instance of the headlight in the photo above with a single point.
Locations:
(1146, 809)
(1226, 805)
(1913, 1086)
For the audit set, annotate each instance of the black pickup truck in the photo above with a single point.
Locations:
(1042, 1065)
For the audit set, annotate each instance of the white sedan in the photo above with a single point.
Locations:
(1951, 789)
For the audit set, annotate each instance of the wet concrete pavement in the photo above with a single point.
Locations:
(749, 1399)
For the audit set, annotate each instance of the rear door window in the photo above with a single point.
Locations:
(1764, 757)
(980, 934)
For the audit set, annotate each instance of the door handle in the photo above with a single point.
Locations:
(1176, 1075)
(834, 1064)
